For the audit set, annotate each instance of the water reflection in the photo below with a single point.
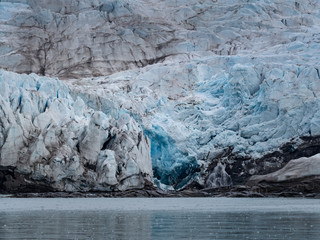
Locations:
(75, 225)
(158, 225)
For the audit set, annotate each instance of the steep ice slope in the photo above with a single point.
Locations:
(223, 89)
(99, 37)
(51, 142)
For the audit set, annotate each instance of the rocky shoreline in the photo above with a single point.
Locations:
(305, 188)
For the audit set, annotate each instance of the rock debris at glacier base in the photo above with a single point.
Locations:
(296, 169)
(49, 141)
(223, 89)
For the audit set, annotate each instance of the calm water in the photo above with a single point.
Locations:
(193, 218)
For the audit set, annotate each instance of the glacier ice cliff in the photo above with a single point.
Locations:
(207, 93)
(231, 119)
(50, 141)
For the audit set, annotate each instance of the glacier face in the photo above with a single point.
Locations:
(223, 89)
(229, 104)
(50, 141)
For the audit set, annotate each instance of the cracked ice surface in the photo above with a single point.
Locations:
(61, 144)
(200, 77)
(76, 38)
(192, 111)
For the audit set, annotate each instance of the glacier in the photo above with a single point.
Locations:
(229, 113)
(181, 93)
(51, 141)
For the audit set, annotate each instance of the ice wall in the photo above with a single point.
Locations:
(223, 89)
(52, 142)
(197, 112)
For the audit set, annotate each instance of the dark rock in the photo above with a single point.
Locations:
(239, 167)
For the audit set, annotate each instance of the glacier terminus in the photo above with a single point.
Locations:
(115, 95)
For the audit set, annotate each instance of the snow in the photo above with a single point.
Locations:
(295, 169)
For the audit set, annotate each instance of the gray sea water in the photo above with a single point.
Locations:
(161, 218)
